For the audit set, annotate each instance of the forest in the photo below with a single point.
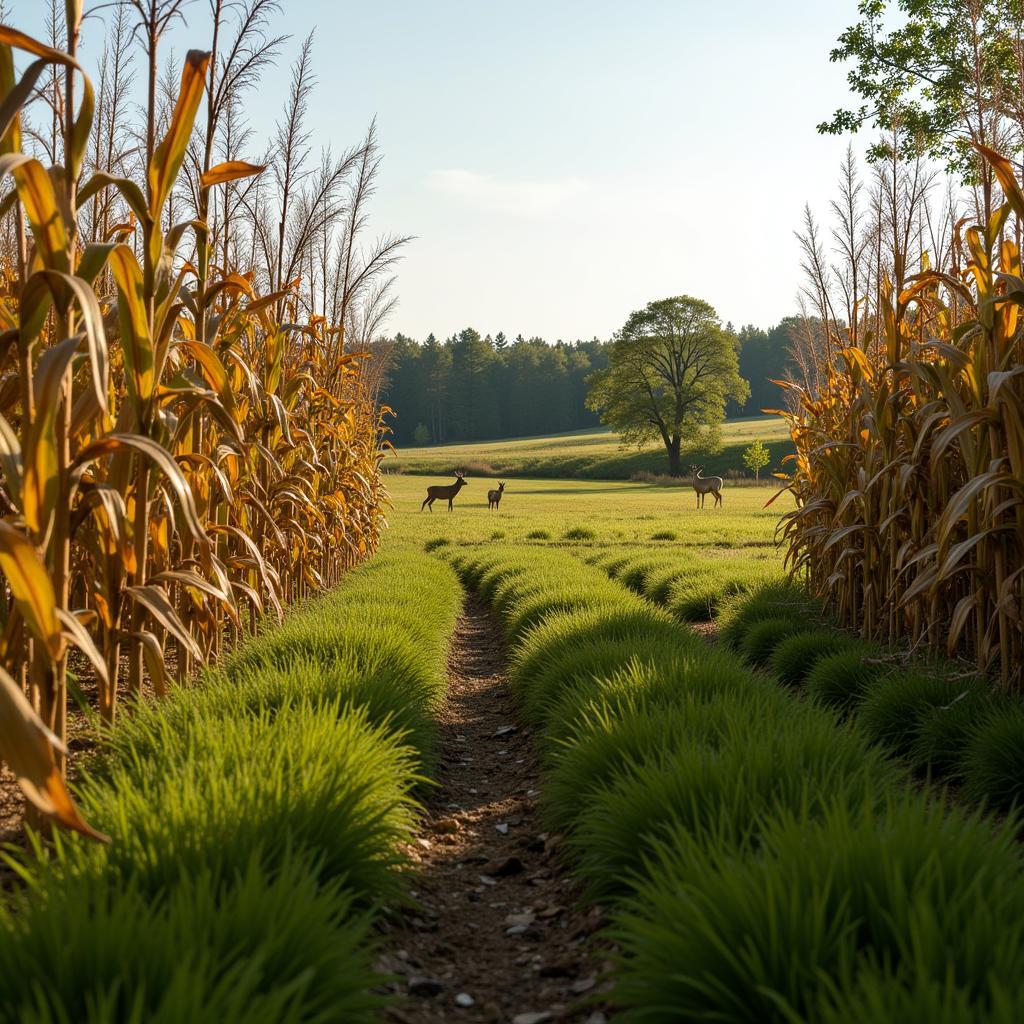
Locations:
(473, 388)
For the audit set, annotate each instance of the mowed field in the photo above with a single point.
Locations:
(590, 454)
(588, 512)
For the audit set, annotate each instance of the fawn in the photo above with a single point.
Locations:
(702, 485)
(494, 497)
(448, 491)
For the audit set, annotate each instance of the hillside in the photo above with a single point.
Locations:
(588, 454)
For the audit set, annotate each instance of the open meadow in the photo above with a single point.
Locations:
(595, 453)
(591, 512)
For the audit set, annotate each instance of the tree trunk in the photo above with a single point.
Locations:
(672, 447)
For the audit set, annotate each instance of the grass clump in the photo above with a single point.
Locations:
(945, 732)
(927, 894)
(665, 535)
(434, 543)
(579, 533)
(895, 705)
(765, 635)
(762, 765)
(206, 799)
(993, 760)
(269, 946)
(539, 535)
(772, 600)
(840, 680)
(795, 656)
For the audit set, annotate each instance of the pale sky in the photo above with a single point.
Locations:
(563, 162)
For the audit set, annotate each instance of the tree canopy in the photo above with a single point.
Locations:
(670, 372)
(934, 74)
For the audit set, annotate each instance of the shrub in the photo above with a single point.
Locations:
(895, 705)
(539, 535)
(579, 533)
(841, 679)
(796, 655)
(269, 946)
(933, 894)
(764, 635)
(993, 765)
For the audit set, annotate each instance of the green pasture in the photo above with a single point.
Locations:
(584, 512)
(590, 454)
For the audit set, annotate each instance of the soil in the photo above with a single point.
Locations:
(501, 932)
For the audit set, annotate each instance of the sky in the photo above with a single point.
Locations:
(562, 163)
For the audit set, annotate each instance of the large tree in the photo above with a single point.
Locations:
(671, 370)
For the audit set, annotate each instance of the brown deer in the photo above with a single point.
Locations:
(494, 497)
(448, 491)
(704, 484)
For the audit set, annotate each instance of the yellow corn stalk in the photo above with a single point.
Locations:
(909, 465)
(175, 460)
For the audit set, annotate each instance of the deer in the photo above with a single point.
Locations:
(447, 491)
(494, 497)
(702, 485)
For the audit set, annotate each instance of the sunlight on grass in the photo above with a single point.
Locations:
(593, 454)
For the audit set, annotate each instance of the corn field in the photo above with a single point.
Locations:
(909, 469)
(186, 443)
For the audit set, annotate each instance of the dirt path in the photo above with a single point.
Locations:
(502, 935)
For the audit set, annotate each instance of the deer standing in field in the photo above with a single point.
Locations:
(494, 497)
(705, 484)
(447, 491)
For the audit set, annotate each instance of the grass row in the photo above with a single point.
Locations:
(255, 820)
(691, 585)
(946, 723)
(763, 858)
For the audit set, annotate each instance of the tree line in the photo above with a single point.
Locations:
(470, 387)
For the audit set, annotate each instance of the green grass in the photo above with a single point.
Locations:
(616, 514)
(993, 762)
(894, 706)
(589, 454)
(273, 947)
(257, 819)
(841, 679)
(762, 857)
(796, 656)
(925, 894)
